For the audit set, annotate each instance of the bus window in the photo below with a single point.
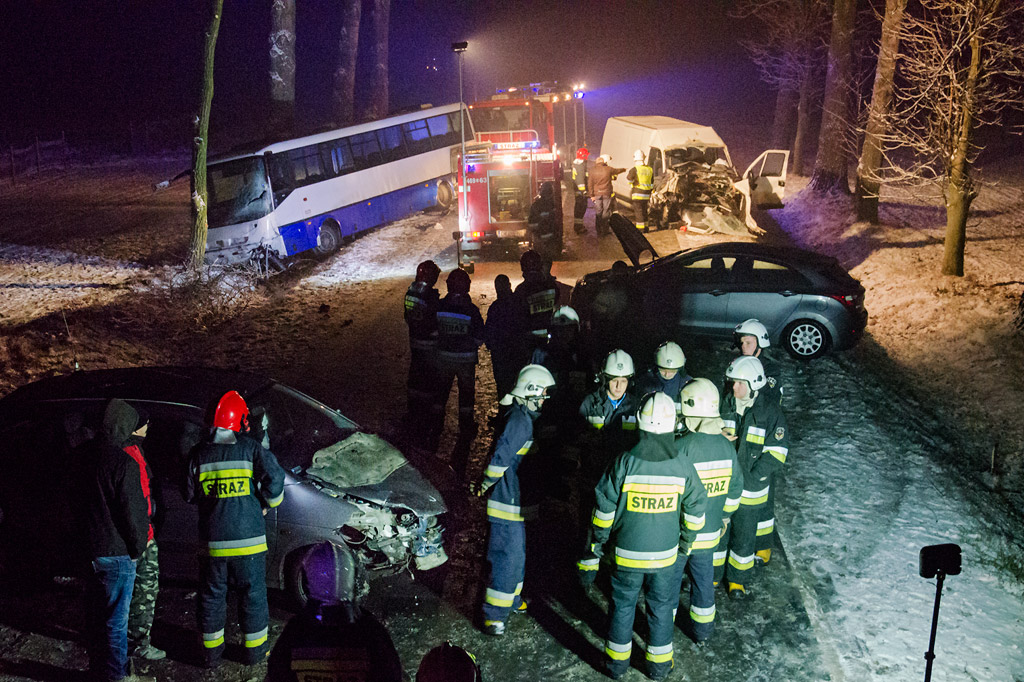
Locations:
(417, 136)
(282, 179)
(456, 126)
(441, 133)
(365, 150)
(306, 166)
(338, 157)
(391, 144)
(238, 192)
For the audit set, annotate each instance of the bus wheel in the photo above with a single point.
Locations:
(445, 195)
(330, 239)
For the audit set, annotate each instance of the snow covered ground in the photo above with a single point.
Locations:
(889, 439)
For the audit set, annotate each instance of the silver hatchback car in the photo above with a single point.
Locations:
(808, 302)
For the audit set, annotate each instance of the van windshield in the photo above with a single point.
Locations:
(238, 190)
(705, 155)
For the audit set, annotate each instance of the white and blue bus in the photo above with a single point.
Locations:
(311, 193)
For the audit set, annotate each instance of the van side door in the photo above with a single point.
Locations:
(767, 178)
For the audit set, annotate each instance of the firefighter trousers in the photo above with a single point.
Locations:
(247, 575)
(766, 521)
(579, 210)
(420, 384)
(661, 593)
(465, 374)
(506, 554)
(699, 568)
(742, 540)
(640, 212)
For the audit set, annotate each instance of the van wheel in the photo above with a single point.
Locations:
(329, 240)
(806, 339)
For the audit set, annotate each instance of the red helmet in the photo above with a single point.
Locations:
(583, 153)
(231, 412)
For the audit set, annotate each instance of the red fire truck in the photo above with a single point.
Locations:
(512, 155)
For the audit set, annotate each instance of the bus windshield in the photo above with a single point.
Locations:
(238, 192)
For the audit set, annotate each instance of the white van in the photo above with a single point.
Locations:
(694, 179)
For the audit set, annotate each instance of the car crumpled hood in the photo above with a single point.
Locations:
(366, 466)
(634, 243)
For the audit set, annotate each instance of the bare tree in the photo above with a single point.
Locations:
(282, 64)
(343, 94)
(961, 67)
(868, 182)
(197, 246)
(831, 171)
(787, 46)
(378, 104)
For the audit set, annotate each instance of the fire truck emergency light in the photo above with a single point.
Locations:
(578, 94)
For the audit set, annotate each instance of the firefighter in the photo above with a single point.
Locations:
(545, 227)
(609, 427)
(448, 663)
(511, 484)
(752, 339)
(668, 374)
(538, 295)
(421, 302)
(650, 506)
(579, 181)
(505, 336)
(714, 458)
(333, 638)
(234, 480)
(641, 181)
(599, 186)
(460, 331)
(754, 421)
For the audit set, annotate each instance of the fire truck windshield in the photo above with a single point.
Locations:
(492, 119)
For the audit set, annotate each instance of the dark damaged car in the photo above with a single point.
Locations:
(808, 302)
(342, 484)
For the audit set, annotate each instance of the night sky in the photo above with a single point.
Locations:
(92, 67)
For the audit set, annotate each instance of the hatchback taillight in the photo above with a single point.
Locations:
(854, 301)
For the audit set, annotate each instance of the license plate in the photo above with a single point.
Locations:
(509, 234)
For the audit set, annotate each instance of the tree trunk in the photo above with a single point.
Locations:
(377, 105)
(786, 101)
(197, 247)
(803, 118)
(344, 90)
(959, 187)
(831, 172)
(282, 65)
(870, 163)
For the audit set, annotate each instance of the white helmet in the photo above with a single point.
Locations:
(670, 356)
(749, 369)
(657, 414)
(618, 364)
(638, 155)
(700, 399)
(565, 316)
(753, 328)
(604, 158)
(533, 380)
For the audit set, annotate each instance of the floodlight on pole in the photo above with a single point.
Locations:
(460, 49)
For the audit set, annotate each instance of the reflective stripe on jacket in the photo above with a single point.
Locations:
(714, 459)
(641, 180)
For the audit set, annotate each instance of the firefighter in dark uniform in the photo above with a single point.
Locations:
(234, 480)
(460, 331)
(333, 639)
(608, 418)
(511, 483)
(505, 336)
(714, 458)
(650, 506)
(668, 374)
(752, 339)
(579, 181)
(754, 420)
(448, 663)
(545, 224)
(421, 302)
(641, 181)
(538, 294)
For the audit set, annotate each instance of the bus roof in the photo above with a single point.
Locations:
(258, 149)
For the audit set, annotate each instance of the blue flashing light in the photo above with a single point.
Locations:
(470, 168)
(578, 94)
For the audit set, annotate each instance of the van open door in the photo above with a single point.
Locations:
(767, 177)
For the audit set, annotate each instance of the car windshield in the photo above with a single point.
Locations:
(296, 426)
(705, 155)
(238, 192)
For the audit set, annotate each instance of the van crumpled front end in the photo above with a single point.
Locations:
(702, 196)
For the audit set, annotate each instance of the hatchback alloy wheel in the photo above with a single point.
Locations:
(806, 339)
